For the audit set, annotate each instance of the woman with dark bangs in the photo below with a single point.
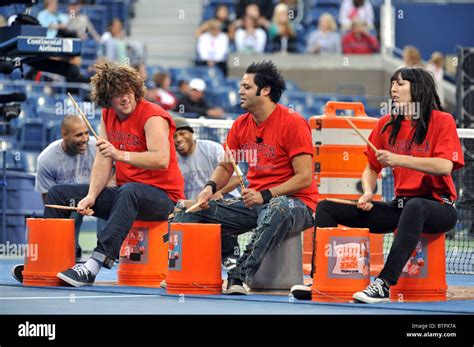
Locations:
(419, 142)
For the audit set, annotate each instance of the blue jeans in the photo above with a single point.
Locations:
(121, 206)
(270, 224)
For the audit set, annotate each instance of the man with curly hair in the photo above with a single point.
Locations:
(138, 136)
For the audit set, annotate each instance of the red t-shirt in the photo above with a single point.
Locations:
(441, 141)
(364, 44)
(129, 135)
(269, 148)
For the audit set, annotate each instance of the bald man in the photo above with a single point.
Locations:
(68, 160)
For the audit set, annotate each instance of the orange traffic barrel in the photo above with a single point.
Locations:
(329, 129)
(339, 158)
(424, 276)
(143, 255)
(51, 249)
(194, 259)
(342, 263)
(343, 185)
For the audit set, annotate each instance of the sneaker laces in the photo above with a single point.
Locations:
(375, 287)
(81, 270)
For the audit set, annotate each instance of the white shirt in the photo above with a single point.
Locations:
(250, 43)
(213, 48)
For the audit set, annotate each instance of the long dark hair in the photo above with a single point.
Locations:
(423, 91)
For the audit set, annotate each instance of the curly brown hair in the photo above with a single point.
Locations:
(115, 79)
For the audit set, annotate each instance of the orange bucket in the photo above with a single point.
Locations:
(342, 263)
(51, 249)
(307, 250)
(424, 276)
(194, 259)
(143, 255)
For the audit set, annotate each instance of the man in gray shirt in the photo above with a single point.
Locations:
(68, 160)
(197, 161)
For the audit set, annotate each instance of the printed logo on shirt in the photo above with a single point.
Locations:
(123, 138)
(408, 147)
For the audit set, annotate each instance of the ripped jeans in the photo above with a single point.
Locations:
(270, 224)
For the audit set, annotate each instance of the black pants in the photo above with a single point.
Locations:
(418, 215)
(120, 206)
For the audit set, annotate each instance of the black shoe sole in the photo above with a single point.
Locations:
(17, 272)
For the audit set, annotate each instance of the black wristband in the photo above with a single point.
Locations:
(213, 185)
(266, 195)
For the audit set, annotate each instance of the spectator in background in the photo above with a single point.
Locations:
(195, 102)
(436, 67)
(261, 9)
(197, 161)
(56, 22)
(250, 38)
(68, 160)
(160, 93)
(222, 15)
(281, 32)
(113, 42)
(184, 90)
(254, 11)
(326, 39)
(359, 40)
(411, 57)
(80, 23)
(360, 10)
(213, 47)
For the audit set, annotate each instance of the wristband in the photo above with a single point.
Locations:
(266, 195)
(213, 185)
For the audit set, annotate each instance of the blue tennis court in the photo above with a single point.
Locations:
(106, 297)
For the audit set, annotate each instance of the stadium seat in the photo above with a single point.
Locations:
(32, 135)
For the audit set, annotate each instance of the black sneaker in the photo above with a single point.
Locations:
(301, 291)
(377, 291)
(235, 287)
(17, 272)
(78, 276)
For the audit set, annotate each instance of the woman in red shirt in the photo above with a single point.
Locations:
(419, 142)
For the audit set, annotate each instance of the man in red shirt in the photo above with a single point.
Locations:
(282, 194)
(138, 136)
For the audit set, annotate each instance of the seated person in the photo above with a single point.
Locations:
(196, 103)
(325, 40)
(421, 145)
(282, 192)
(359, 40)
